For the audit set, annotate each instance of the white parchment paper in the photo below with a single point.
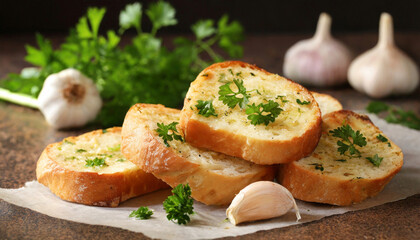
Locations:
(209, 222)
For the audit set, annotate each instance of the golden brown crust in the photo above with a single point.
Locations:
(257, 150)
(142, 147)
(91, 188)
(315, 186)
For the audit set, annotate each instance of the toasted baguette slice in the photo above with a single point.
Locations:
(293, 135)
(328, 177)
(214, 178)
(327, 103)
(62, 168)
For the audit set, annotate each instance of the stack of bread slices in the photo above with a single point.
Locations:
(239, 124)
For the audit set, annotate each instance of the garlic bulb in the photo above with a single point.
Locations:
(69, 99)
(384, 70)
(319, 61)
(261, 200)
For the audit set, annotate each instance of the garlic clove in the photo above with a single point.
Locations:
(319, 61)
(261, 200)
(69, 99)
(384, 70)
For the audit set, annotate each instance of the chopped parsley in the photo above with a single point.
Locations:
(346, 133)
(80, 150)
(121, 160)
(115, 148)
(302, 103)
(341, 160)
(383, 139)
(168, 132)
(318, 166)
(68, 142)
(375, 160)
(180, 205)
(142, 213)
(263, 113)
(97, 162)
(104, 131)
(282, 98)
(206, 108)
(231, 98)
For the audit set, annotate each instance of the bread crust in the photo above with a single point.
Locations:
(91, 188)
(260, 151)
(143, 147)
(314, 186)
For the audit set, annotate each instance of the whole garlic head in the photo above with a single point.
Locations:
(319, 61)
(261, 200)
(384, 70)
(69, 99)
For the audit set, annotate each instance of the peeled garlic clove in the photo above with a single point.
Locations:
(261, 200)
(384, 70)
(69, 99)
(319, 61)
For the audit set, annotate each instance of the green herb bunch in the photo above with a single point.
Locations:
(180, 205)
(142, 71)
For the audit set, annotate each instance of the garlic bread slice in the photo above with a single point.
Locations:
(90, 169)
(244, 111)
(151, 140)
(343, 172)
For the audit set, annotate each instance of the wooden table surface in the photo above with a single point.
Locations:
(24, 134)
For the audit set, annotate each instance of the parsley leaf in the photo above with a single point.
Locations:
(97, 162)
(383, 139)
(203, 29)
(377, 107)
(161, 14)
(142, 213)
(168, 132)
(263, 113)
(115, 148)
(302, 103)
(395, 114)
(80, 150)
(346, 133)
(180, 205)
(318, 166)
(131, 17)
(231, 98)
(375, 160)
(206, 108)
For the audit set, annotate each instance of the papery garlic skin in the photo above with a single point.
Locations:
(69, 99)
(384, 70)
(319, 61)
(261, 200)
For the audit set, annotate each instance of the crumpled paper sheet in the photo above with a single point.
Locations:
(208, 221)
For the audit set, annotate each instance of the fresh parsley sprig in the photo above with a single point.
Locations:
(206, 108)
(263, 113)
(350, 139)
(168, 132)
(144, 70)
(231, 98)
(395, 114)
(141, 213)
(180, 205)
